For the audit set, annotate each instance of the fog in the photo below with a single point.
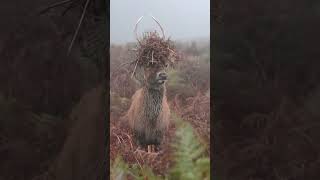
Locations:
(181, 19)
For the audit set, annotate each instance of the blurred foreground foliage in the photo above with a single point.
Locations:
(265, 75)
(40, 83)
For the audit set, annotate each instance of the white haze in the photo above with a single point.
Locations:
(181, 19)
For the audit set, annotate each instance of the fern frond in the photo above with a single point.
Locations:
(190, 159)
(120, 171)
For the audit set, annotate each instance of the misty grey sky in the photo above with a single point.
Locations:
(181, 19)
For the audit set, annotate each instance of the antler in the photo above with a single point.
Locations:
(135, 29)
(136, 26)
(163, 36)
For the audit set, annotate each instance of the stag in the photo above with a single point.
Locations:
(149, 112)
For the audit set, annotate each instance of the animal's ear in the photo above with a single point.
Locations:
(139, 76)
(147, 72)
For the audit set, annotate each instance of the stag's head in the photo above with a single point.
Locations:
(155, 77)
(154, 74)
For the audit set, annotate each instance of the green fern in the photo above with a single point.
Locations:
(120, 171)
(190, 159)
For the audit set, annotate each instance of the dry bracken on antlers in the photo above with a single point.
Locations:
(153, 50)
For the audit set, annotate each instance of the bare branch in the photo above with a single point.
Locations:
(134, 70)
(152, 57)
(71, 5)
(55, 5)
(79, 25)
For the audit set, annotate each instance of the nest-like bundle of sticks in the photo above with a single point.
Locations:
(155, 51)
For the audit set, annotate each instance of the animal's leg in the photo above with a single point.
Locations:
(157, 147)
(149, 148)
(158, 138)
(140, 138)
(153, 148)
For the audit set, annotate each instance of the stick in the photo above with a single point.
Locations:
(55, 5)
(71, 5)
(152, 57)
(79, 25)
(134, 70)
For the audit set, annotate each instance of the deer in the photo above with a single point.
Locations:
(149, 113)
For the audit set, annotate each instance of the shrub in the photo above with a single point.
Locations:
(177, 85)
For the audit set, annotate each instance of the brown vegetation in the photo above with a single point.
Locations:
(153, 50)
(195, 109)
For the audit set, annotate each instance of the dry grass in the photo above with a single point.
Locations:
(122, 143)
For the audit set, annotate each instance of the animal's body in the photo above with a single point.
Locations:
(149, 111)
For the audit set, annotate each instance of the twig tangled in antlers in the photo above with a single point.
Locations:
(153, 50)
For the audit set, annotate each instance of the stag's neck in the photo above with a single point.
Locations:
(153, 103)
(155, 92)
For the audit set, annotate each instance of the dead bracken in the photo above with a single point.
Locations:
(154, 50)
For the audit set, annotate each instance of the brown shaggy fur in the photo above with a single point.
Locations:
(149, 112)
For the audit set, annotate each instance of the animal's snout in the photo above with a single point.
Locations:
(162, 75)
